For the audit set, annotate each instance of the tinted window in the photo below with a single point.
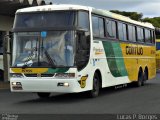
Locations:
(134, 33)
(158, 46)
(140, 34)
(101, 27)
(131, 33)
(95, 26)
(111, 28)
(153, 36)
(98, 26)
(83, 20)
(120, 31)
(148, 36)
(125, 32)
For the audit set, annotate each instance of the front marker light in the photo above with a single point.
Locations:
(17, 86)
(63, 84)
(66, 84)
(13, 83)
(16, 75)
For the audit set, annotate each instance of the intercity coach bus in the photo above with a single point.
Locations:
(157, 30)
(158, 54)
(72, 48)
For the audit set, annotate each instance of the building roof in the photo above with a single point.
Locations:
(9, 7)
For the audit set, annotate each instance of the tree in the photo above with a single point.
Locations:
(133, 15)
(139, 17)
(155, 21)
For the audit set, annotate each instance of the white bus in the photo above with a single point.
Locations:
(72, 48)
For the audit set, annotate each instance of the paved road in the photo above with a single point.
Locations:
(145, 99)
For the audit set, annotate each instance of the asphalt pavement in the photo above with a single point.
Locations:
(128, 100)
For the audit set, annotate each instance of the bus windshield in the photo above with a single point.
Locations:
(47, 20)
(32, 49)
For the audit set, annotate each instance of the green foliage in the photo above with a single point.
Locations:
(155, 21)
(139, 17)
(132, 15)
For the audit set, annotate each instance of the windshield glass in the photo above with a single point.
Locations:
(45, 49)
(48, 20)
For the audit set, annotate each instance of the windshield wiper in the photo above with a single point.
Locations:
(51, 61)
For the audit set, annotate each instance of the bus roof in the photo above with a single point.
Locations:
(79, 7)
(54, 7)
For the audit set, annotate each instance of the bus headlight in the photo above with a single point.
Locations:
(65, 75)
(16, 75)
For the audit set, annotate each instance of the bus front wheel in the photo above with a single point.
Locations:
(96, 86)
(43, 95)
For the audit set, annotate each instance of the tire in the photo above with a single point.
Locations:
(140, 81)
(43, 95)
(96, 87)
(145, 78)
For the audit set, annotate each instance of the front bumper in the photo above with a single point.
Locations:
(44, 85)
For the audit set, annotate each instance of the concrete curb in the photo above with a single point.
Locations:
(4, 85)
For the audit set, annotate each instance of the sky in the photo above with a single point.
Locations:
(149, 8)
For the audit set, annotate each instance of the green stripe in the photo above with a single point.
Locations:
(116, 65)
(56, 70)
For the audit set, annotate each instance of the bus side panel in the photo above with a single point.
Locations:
(158, 54)
(137, 56)
(107, 57)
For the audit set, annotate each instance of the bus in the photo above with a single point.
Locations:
(73, 48)
(157, 31)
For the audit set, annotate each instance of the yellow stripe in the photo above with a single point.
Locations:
(29, 70)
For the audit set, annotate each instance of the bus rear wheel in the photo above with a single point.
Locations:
(145, 78)
(43, 95)
(96, 86)
(140, 81)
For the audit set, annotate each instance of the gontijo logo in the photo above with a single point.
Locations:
(134, 50)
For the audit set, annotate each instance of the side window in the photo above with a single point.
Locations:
(98, 26)
(152, 36)
(157, 45)
(95, 26)
(120, 31)
(83, 20)
(130, 32)
(140, 34)
(111, 30)
(148, 36)
(125, 35)
(134, 33)
(101, 27)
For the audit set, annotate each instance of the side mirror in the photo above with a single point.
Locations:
(6, 44)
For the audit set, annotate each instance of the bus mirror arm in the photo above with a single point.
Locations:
(5, 43)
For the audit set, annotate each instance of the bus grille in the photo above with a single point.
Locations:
(39, 75)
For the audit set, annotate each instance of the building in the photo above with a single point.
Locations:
(7, 12)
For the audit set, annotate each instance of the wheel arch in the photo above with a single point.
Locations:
(98, 72)
(146, 71)
(140, 71)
